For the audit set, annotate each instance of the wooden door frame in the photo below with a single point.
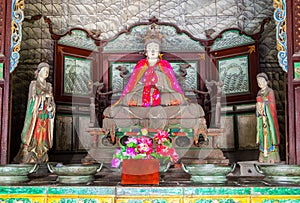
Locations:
(293, 93)
(4, 83)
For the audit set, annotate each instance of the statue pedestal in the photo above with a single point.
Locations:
(203, 152)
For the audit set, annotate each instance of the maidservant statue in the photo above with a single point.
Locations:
(267, 124)
(153, 97)
(37, 133)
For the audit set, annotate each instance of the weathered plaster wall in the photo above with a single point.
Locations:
(202, 18)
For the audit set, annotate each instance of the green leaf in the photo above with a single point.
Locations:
(139, 156)
(123, 148)
(119, 156)
(131, 144)
(167, 143)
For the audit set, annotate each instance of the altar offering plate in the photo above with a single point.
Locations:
(278, 173)
(16, 173)
(75, 173)
(208, 173)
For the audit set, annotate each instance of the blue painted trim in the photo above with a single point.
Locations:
(280, 17)
(17, 17)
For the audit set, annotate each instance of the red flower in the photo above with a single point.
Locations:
(161, 136)
(162, 150)
(174, 156)
(144, 148)
(145, 140)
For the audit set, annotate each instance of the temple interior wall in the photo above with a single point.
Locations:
(204, 19)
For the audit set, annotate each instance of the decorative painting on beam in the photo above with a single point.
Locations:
(1, 71)
(297, 70)
(172, 41)
(231, 39)
(80, 39)
(280, 17)
(17, 17)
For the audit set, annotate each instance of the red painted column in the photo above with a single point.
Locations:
(5, 32)
(293, 108)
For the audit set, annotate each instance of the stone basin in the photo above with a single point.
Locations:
(16, 173)
(279, 173)
(208, 173)
(75, 173)
(278, 170)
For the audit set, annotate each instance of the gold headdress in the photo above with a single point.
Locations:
(153, 35)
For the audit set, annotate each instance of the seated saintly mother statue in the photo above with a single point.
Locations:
(153, 97)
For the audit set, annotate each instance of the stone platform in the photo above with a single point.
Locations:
(175, 187)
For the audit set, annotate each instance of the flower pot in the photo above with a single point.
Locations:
(140, 171)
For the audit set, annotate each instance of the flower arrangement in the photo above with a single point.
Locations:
(143, 148)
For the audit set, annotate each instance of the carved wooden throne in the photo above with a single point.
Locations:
(184, 140)
(188, 59)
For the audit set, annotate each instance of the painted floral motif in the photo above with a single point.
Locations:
(215, 201)
(75, 200)
(15, 200)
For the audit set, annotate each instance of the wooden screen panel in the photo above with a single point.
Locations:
(293, 47)
(64, 128)
(85, 140)
(246, 59)
(247, 131)
(70, 56)
(296, 29)
(2, 25)
(1, 104)
(297, 121)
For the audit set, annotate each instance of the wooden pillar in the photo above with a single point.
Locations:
(5, 33)
(293, 108)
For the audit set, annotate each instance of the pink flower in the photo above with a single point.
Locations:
(145, 140)
(131, 140)
(130, 152)
(161, 136)
(144, 148)
(119, 150)
(162, 150)
(173, 154)
(115, 163)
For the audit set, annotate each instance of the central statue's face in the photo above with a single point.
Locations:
(152, 50)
